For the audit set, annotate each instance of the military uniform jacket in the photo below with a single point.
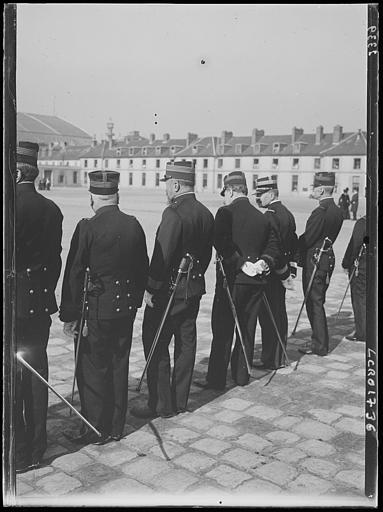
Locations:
(113, 246)
(354, 202)
(38, 249)
(242, 233)
(324, 221)
(357, 239)
(186, 226)
(284, 224)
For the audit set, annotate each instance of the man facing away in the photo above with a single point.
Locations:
(38, 265)
(248, 245)
(325, 221)
(354, 203)
(186, 228)
(112, 245)
(281, 278)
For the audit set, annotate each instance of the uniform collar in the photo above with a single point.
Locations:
(104, 209)
(240, 198)
(182, 197)
(26, 186)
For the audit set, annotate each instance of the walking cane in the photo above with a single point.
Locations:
(354, 271)
(316, 264)
(184, 265)
(267, 304)
(233, 310)
(31, 369)
(81, 327)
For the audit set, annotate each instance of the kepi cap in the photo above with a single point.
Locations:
(103, 182)
(324, 179)
(27, 153)
(181, 170)
(265, 184)
(233, 178)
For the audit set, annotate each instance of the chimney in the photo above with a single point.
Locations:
(319, 135)
(94, 141)
(295, 134)
(225, 137)
(256, 135)
(110, 133)
(166, 137)
(152, 138)
(191, 137)
(50, 148)
(337, 134)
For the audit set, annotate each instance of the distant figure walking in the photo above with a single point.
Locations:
(344, 204)
(354, 203)
(47, 184)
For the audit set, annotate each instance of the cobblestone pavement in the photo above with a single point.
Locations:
(291, 437)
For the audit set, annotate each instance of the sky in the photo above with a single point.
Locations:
(163, 68)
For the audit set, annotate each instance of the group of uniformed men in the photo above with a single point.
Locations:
(108, 276)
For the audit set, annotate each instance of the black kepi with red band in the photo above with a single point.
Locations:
(181, 170)
(324, 179)
(233, 178)
(104, 182)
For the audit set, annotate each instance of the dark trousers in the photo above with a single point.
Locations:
(102, 373)
(354, 214)
(31, 393)
(168, 393)
(272, 354)
(315, 307)
(358, 299)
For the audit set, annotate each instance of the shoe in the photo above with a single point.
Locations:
(167, 414)
(352, 337)
(306, 351)
(104, 439)
(88, 437)
(117, 437)
(144, 412)
(24, 468)
(208, 385)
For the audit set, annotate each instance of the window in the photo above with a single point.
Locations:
(74, 177)
(158, 150)
(356, 182)
(220, 163)
(238, 148)
(219, 181)
(195, 163)
(118, 163)
(157, 164)
(85, 163)
(274, 177)
(172, 149)
(157, 179)
(205, 163)
(316, 163)
(204, 180)
(275, 147)
(85, 178)
(61, 178)
(255, 163)
(143, 179)
(118, 151)
(106, 163)
(130, 163)
(275, 163)
(195, 149)
(144, 151)
(296, 147)
(294, 183)
(95, 163)
(130, 178)
(295, 163)
(131, 151)
(335, 163)
(237, 163)
(143, 163)
(357, 163)
(255, 179)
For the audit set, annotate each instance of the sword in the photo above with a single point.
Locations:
(31, 369)
(316, 264)
(354, 270)
(181, 270)
(80, 330)
(267, 304)
(233, 310)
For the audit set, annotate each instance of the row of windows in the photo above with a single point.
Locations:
(237, 163)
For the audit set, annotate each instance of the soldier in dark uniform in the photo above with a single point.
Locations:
(281, 278)
(358, 283)
(113, 246)
(38, 266)
(325, 221)
(248, 244)
(186, 228)
(344, 203)
(354, 203)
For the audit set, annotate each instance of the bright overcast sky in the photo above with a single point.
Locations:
(270, 67)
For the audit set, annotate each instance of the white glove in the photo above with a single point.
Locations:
(70, 328)
(253, 269)
(148, 299)
(289, 283)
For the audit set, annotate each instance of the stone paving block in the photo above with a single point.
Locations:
(56, 341)
(335, 384)
(351, 425)
(289, 455)
(316, 448)
(54, 450)
(175, 481)
(236, 404)
(211, 446)
(257, 486)
(56, 351)
(311, 368)
(278, 472)
(227, 476)
(263, 412)
(194, 461)
(71, 461)
(35, 474)
(357, 355)
(244, 459)
(337, 357)
(23, 488)
(314, 430)
(359, 373)
(198, 422)
(139, 440)
(324, 415)
(228, 416)
(182, 435)
(340, 366)
(145, 469)
(320, 467)
(58, 483)
(310, 485)
(352, 477)
(123, 486)
(95, 473)
(253, 442)
(282, 437)
(222, 432)
(337, 375)
(351, 410)
(356, 458)
(286, 421)
(358, 391)
(116, 456)
(167, 450)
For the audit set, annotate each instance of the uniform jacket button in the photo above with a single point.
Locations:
(130, 307)
(31, 311)
(117, 296)
(45, 268)
(200, 275)
(127, 281)
(118, 310)
(45, 290)
(31, 291)
(117, 282)
(46, 310)
(128, 294)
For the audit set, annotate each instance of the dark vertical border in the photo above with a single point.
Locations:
(9, 335)
(371, 405)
